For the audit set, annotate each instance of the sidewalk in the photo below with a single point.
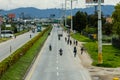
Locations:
(97, 73)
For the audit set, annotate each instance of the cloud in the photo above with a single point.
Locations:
(42, 4)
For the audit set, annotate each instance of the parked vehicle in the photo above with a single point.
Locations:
(7, 33)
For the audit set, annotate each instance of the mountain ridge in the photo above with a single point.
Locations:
(45, 13)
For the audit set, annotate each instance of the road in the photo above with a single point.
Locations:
(49, 65)
(8, 47)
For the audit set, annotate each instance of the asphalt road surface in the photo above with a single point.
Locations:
(8, 47)
(49, 65)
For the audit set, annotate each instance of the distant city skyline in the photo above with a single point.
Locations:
(45, 4)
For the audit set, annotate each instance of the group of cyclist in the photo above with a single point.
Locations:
(69, 41)
(60, 50)
(75, 42)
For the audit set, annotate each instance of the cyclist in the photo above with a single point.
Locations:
(60, 52)
(50, 47)
(75, 51)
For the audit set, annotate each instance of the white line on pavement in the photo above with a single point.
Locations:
(57, 73)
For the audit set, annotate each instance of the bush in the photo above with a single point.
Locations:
(116, 42)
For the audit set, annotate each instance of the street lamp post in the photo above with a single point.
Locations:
(0, 30)
(0, 24)
(71, 17)
(65, 13)
(100, 61)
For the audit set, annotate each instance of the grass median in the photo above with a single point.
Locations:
(111, 55)
(3, 39)
(81, 38)
(18, 70)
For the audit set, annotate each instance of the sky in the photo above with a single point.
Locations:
(45, 4)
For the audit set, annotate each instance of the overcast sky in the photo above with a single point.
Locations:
(43, 4)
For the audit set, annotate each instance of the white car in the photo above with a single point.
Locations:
(7, 33)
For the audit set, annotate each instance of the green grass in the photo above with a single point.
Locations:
(3, 39)
(81, 38)
(21, 32)
(111, 55)
(18, 70)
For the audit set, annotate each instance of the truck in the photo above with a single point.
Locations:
(60, 32)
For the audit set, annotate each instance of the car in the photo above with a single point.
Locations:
(7, 33)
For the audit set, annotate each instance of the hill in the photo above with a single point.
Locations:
(45, 13)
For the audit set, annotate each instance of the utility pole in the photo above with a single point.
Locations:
(62, 14)
(0, 24)
(65, 13)
(71, 14)
(0, 30)
(71, 17)
(100, 60)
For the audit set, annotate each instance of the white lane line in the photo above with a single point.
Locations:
(57, 73)
(57, 68)
(57, 58)
(30, 73)
(57, 62)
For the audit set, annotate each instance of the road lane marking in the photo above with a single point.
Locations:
(57, 73)
(32, 70)
(29, 75)
(57, 68)
(57, 61)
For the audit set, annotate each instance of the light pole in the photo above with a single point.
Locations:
(71, 17)
(65, 13)
(71, 14)
(0, 30)
(71, 1)
(0, 24)
(100, 60)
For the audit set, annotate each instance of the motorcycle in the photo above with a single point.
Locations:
(50, 47)
(60, 52)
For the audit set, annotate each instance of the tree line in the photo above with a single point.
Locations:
(82, 22)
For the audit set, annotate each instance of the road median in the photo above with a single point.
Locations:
(11, 63)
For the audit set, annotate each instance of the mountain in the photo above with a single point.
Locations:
(106, 10)
(45, 13)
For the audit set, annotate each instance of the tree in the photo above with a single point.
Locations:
(107, 29)
(116, 20)
(92, 20)
(79, 21)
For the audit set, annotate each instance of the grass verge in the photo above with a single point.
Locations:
(3, 39)
(81, 38)
(21, 32)
(18, 70)
(111, 55)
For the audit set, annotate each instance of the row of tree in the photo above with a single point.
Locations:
(89, 23)
(116, 20)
